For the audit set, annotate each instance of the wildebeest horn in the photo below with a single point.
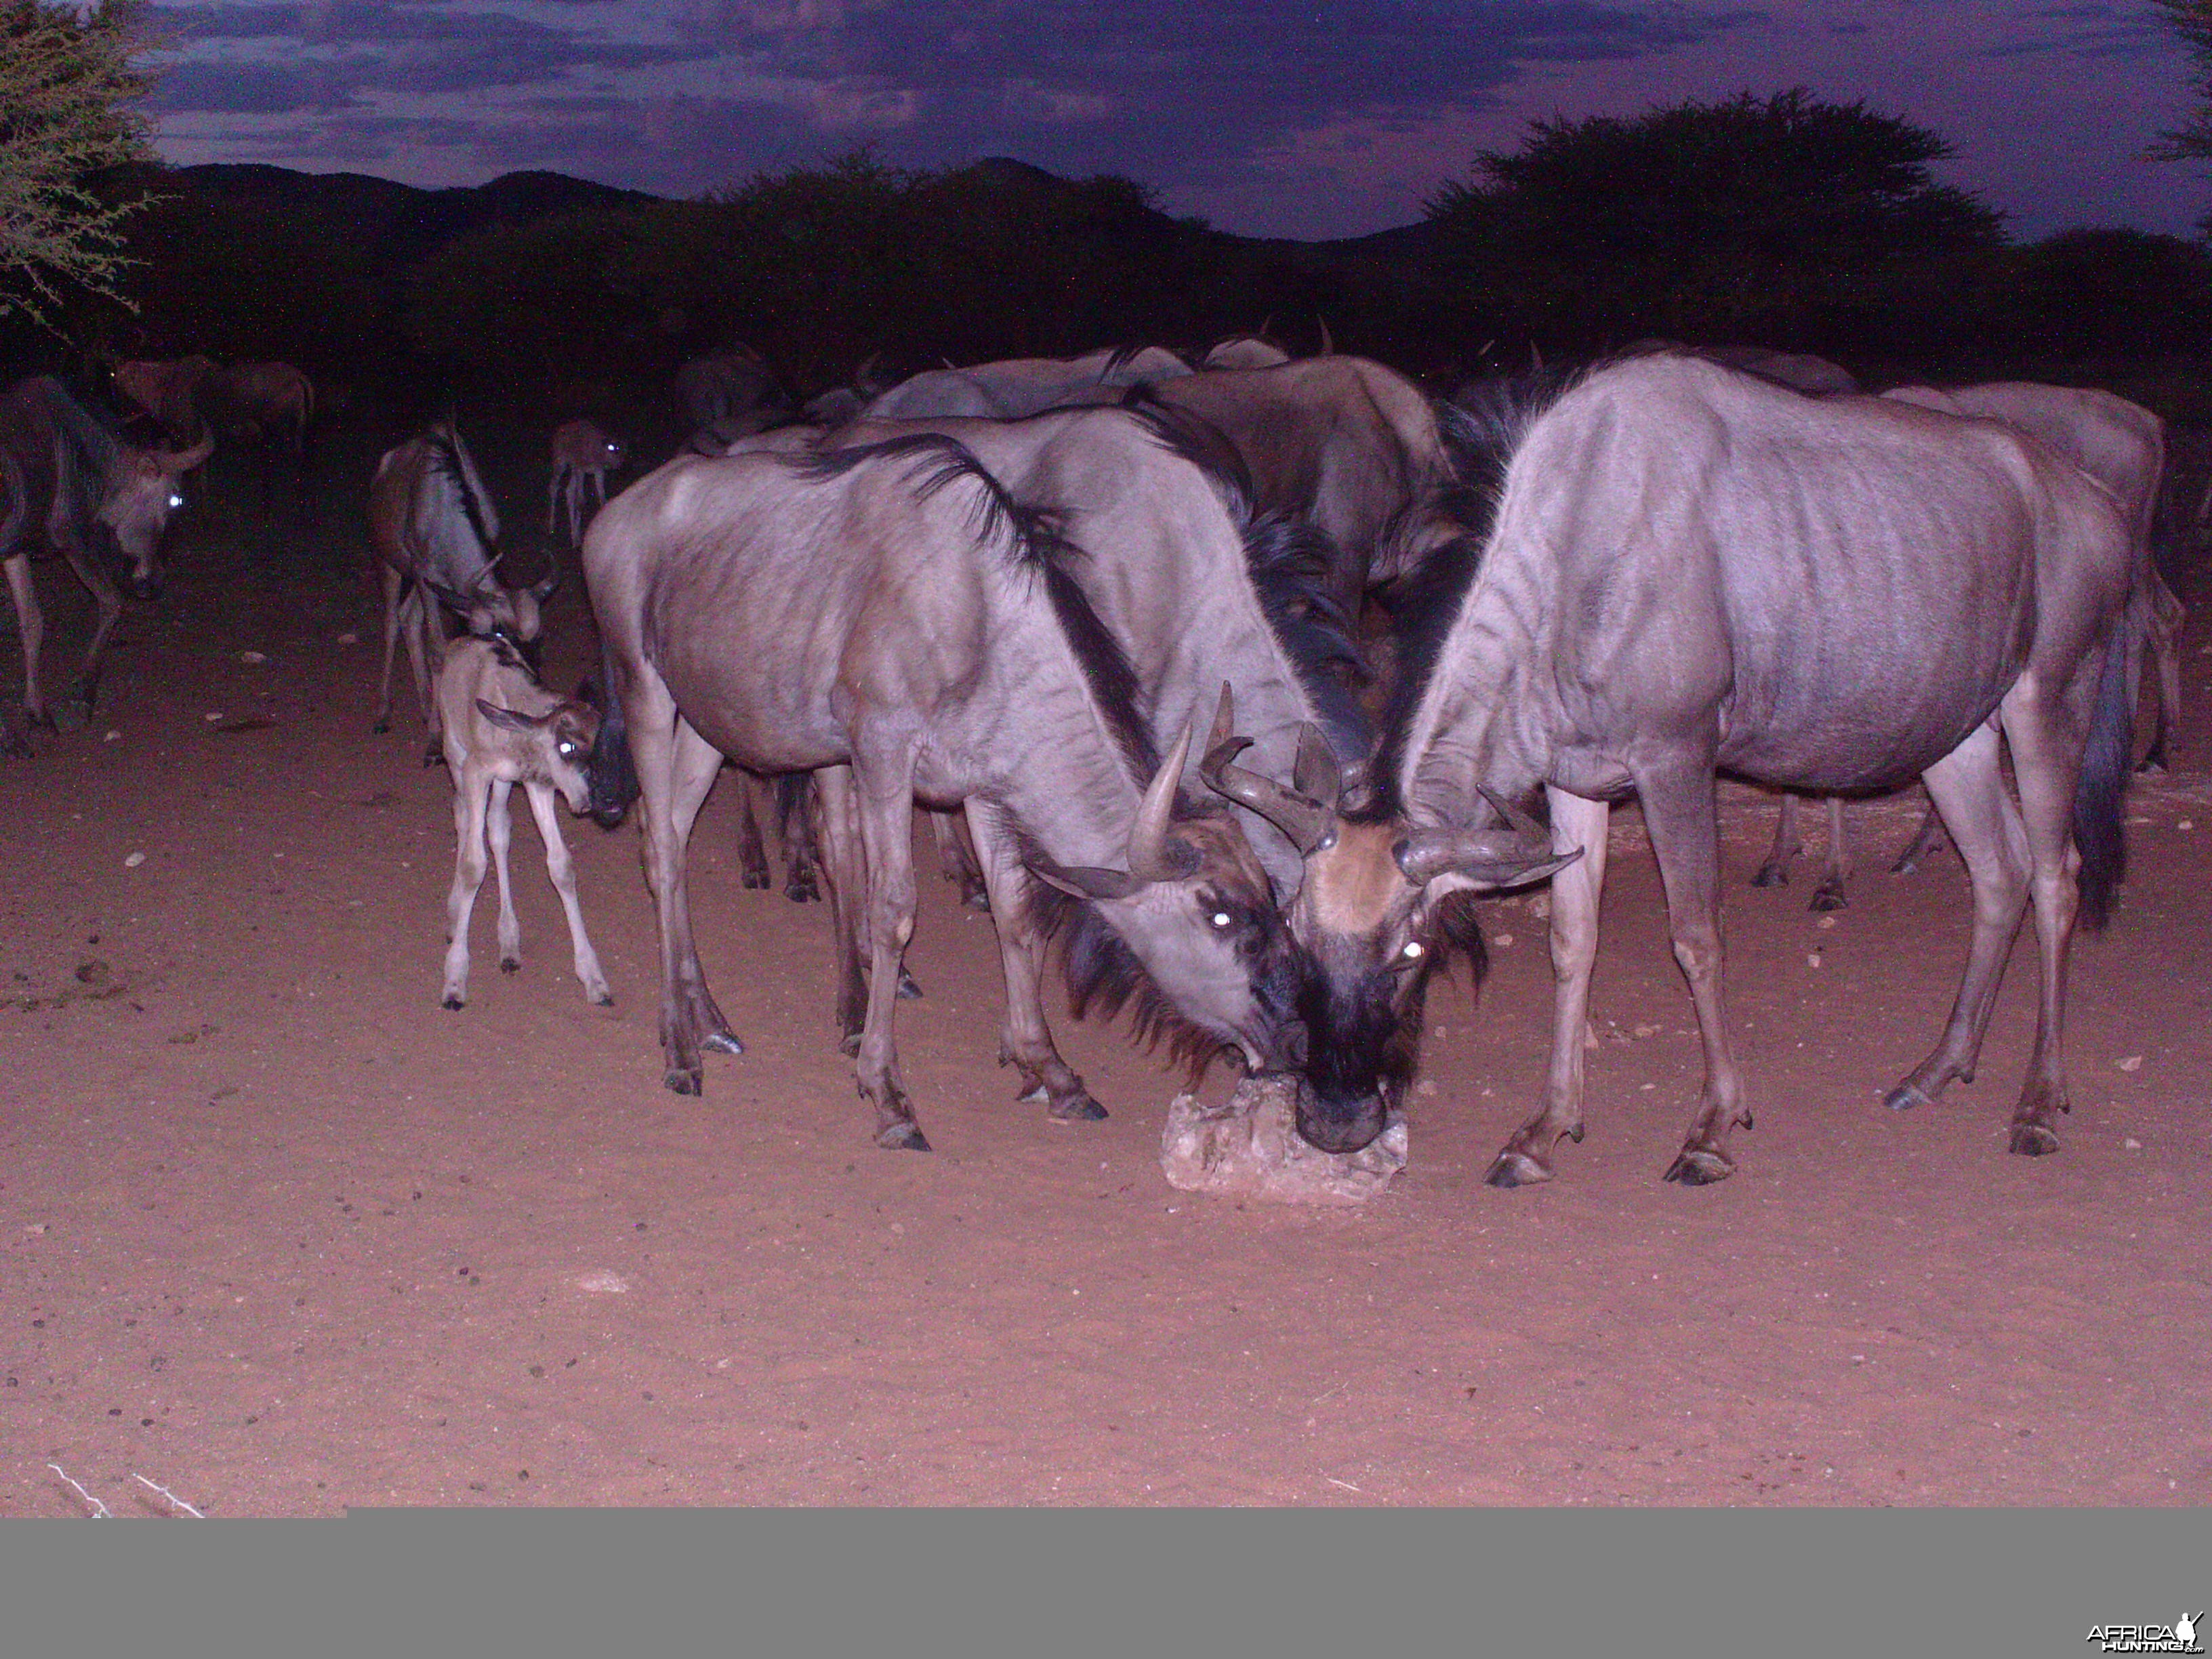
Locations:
(1327, 345)
(1148, 838)
(1522, 852)
(1317, 775)
(1084, 881)
(542, 591)
(176, 462)
(1307, 822)
(460, 603)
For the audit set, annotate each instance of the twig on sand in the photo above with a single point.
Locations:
(166, 1493)
(100, 1510)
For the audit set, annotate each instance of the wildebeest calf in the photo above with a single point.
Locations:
(501, 727)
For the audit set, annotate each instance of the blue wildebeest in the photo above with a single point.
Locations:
(886, 618)
(1199, 594)
(1024, 385)
(2123, 446)
(501, 727)
(583, 454)
(730, 394)
(432, 526)
(1692, 571)
(71, 481)
(1344, 445)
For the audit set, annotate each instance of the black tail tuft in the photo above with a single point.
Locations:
(611, 775)
(2100, 826)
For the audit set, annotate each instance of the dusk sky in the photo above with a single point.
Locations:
(1310, 120)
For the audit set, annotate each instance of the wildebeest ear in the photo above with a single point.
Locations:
(1086, 881)
(508, 718)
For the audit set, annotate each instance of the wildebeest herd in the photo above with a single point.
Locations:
(1238, 680)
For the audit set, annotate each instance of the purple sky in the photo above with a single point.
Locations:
(1331, 117)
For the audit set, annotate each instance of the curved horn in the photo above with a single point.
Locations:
(542, 591)
(177, 462)
(1148, 837)
(1306, 822)
(1520, 852)
(1327, 345)
(1317, 775)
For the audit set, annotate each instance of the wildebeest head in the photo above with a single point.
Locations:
(144, 487)
(1381, 906)
(492, 610)
(564, 738)
(1188, 935)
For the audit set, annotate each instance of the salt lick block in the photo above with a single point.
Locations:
(1249, 1148)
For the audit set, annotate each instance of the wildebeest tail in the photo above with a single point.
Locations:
(611, 773)
(2100, 828)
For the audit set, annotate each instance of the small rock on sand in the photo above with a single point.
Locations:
(1250, 1148)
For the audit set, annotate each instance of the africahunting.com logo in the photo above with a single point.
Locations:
(2179, 1636)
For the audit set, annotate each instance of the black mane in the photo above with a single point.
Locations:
(444, 441)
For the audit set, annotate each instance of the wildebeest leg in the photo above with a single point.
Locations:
(553, 499)
(2046, 736)
(562, 870)
(883, 791)
(425, 656)
(31, 622)
(85, 690)
(1576, 822)
(1788, 843)
(1829, 896)
(1969, 789)
(794, 811)
(752, 855)
(956, 860)
(2167, 616)
(1927, 840)
(393, 582)
(1026, 1041)
(500, 823)
(1680, 810)
(676, 768)
(470, 792)
(841, 865)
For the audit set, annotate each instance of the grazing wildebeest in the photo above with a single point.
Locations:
(1692, 571)
(271, 403)
(886, 618)
(2123, 446)
(1344, 445)
(1024, 386)
(432, 526)
(501, 727)
(1198, 592)
(71, 481)
(583, 455)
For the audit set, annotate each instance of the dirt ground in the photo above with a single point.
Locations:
(279, 1234)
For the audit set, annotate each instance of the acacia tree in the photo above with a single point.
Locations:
(68, 83)
(1785, 221)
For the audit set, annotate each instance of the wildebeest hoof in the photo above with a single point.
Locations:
(510, 965)
(381, 727)
(453, 1000)
(681, 1080)
(2032, 1140)
(720, 1042)
(849, 1045)
(800, 889)
(71, 714)
(1035, 1095)
(1771, 875)
(1904, 1097)
(902, 1137)
(1517, 1169)
(603, 999)
(1699, 1166)
(2154, 763)
(1077, 1108)
(977, 899)
(433, 754)
(756, 879)
(1829, 898)
(908, 989)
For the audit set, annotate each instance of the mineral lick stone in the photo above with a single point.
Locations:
(1249, 1148)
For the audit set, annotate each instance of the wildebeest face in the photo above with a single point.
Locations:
(1380, 908)
(563, 741)
(146, 488)
(1214, 946)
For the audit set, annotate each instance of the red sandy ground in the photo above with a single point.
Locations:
(278, 1233)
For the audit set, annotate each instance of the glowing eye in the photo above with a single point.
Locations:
(568, 749)
(1413, 951)
(1221, 918)
(176, 501)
